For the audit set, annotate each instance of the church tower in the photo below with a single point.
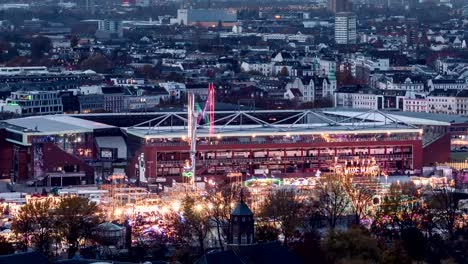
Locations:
(241, 225)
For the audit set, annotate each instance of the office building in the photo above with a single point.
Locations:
(337, 6)
(206, 17)
(109, 29)
(37, 102)
(345, 28)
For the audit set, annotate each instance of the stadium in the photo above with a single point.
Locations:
(156, 147)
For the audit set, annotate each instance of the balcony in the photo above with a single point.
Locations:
(251, 141)
(282, 160)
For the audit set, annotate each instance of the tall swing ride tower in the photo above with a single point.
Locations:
(193, 120)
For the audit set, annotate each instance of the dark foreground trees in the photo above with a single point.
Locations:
(41, 222)
(194, 223)
(355, 245)
(283, 207)
(34, 223)
(75, 219)
(333, 200)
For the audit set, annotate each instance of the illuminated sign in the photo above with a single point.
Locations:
(187, 174)
(262, 182)
(106, 154)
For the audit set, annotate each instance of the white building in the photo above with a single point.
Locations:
(358, 97)
(142, 102)
(397, 82)
(37, 102)
(10, 107)
(327, 66)
(109, 28)
(417, 103)
(311, 89)
(345, 28)
(462, 103)
(23, 70)
(199, 16)
(127, 81)
(457, 84)
(366, 101)
(442, 101)
(265, 68)
(174, 89)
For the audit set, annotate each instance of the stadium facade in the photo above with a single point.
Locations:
(64, 149)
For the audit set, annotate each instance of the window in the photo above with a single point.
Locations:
(244, 239)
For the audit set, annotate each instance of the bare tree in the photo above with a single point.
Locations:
(360, 197)
(194, 225)
(444, 205)
(221, 201)
(333, 200)
(283, 206)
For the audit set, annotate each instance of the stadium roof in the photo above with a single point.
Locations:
(239, 123)
(416, 117)
(304, 122)
(376, 116)
(52, 124)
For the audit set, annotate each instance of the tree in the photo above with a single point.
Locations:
(333, 200)
(392, 203)
(75, 219)
(396, 254)
(98, 63)
(34, 223)
(352, 246)
(415, 243)
(266, 233)
(284, 207)
(398, 213)
(120, 57)
(284, 72)
(39, 46)
(307, 246)
(18, 61)
(6, 247)
(7, 51)
(445, 207)
(74, 41)
(360, 197)
(194, 224)
(175, 77)
(149, 72)
(221, 201)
